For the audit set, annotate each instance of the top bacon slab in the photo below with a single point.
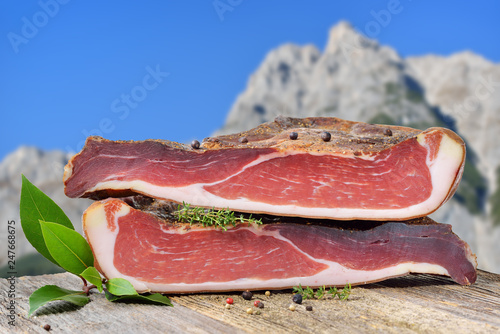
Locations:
(288, 167)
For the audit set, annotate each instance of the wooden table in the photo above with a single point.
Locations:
(415, 303)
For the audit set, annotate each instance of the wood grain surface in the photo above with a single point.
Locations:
(411, 304)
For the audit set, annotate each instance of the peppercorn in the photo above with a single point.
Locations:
(195, 144)
(260, 304)
(326, 136)
(255, 303)
(46, 327)
(249, 310)
(257, 312)
(229, 300)
(243, 140)
(268, 293)
(228, 306)
(297, 298)
(291, 307)
(388, 132)
(309, 308)
(294, 135)
(247, 295)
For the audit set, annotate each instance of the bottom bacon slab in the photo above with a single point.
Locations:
(162, 255)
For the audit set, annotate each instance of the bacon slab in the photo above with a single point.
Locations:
(286, 167)
(162, 255)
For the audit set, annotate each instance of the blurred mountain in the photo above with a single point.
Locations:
(353, 78)
(358, 79)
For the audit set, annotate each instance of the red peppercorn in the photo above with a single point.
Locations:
(256, 303)
(229, 300)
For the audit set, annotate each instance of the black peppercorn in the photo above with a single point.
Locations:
(388, 132)
(309, 308)
(46, 327)
(243, 140)
(247, 295)
(297, 298)
(195, 144)
(294, 135)
(260, 305)
(326, 136)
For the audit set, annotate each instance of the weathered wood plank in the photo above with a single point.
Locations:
(99, 315)
(415, 303)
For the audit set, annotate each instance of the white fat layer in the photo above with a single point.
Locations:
(443, 170)
(335, 275)
(103, 239)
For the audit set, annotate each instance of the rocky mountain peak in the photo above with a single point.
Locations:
(349, 45)
(342, 32)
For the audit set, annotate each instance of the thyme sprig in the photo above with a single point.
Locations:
(218, 218)
(321, 292)
(343, 294)
(306, 292)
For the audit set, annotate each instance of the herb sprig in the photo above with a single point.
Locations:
(321, 292)
(52, 234)
(218, 218)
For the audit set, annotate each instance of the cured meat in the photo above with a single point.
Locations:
(162, 255)
(311, 167)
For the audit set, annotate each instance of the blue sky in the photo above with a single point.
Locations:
(172, 69)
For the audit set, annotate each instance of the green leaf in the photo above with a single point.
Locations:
(156, 298)
(35, 206)
(50, 293)
(92, 276)
(67, 247)
(120, 287)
